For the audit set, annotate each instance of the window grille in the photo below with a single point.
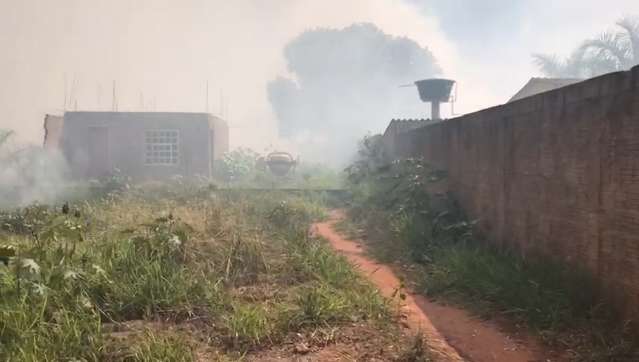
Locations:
(162, 147)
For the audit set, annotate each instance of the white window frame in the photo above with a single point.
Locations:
(159, 148)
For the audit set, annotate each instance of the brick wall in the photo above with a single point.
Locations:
(557, 173)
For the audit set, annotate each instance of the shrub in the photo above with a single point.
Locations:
(419, 219)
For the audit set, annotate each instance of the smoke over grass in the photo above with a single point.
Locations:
(344, 83)
(30, 174)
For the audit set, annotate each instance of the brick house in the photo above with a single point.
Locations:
(142, 145)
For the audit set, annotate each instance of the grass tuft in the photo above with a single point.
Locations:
(249, 325)
(160, 347)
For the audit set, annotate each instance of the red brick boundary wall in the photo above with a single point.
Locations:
(556, 173)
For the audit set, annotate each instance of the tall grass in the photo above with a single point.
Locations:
(33, 331)
(545, 294)
(312, 260)
(157, 347)
(62, 284)
(249, 325)
(179, 255)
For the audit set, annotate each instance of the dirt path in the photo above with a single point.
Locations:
(442, 326)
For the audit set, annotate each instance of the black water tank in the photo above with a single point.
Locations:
(436, 89)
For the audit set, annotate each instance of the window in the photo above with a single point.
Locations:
(162, 147)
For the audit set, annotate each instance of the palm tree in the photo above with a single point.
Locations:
(551, 65)
(627, 41)
(610, 52)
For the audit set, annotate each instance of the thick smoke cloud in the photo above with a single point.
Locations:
(345, 83)
(161, 53)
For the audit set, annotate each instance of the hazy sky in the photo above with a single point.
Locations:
(162, 52)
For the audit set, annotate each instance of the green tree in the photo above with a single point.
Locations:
(609, 52)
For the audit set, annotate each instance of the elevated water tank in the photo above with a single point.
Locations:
(435, 91)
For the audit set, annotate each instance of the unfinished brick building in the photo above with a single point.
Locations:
(142, 145)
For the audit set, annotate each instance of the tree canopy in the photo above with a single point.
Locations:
(344, 82)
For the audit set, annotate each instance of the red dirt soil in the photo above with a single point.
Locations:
(451, 333)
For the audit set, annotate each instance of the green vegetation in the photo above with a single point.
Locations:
(409, 222)
(242, 168)
(153, 347)
(171, 272)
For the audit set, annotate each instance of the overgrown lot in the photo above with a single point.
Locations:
(182, 273)
(400, 210)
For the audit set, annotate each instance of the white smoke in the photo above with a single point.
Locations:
(30, 175)
(161, 53)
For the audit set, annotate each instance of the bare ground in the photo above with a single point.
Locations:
(357, 342)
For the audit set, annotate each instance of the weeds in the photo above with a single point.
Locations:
(249, 325)
(406, 221)
(320, 305)
(312, 260)
(546, 295)
(24, 221)
(158, 347)
(561, 304)
(178, 256)
(244, 261)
